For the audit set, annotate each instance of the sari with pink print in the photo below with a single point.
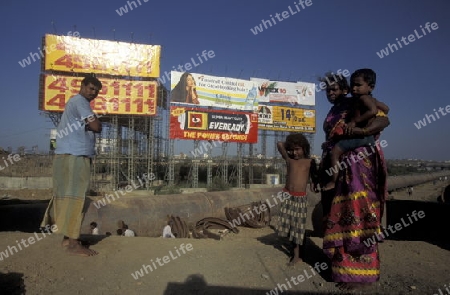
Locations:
(353, 227)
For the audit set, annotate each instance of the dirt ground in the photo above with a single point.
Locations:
(250, 262)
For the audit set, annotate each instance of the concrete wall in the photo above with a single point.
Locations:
(146, 214)
(25, 182)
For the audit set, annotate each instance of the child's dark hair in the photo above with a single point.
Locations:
(94, 224)
(368, 75)
(330, 78)
(299, 139)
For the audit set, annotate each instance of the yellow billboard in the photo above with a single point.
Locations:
(117, 96)
(82, 55)
(291, 119)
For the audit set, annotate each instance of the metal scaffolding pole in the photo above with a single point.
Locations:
(239, 166)
(158, 148)
(224, 163)
(150, 150)
(170, 149)
(131, 149)
(264, 155)
(209, 178)
(250, 163)
(113, 141)
(94, 183)
(264, 143)
(195, 162)
(171, 165)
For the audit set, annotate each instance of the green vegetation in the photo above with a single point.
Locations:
(218, 185)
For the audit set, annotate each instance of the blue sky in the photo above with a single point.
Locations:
(326, 36)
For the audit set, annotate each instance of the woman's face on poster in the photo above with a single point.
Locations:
(190, 82)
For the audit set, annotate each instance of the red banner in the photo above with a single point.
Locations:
(221, 125)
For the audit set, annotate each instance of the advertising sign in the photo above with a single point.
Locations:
(204, 124)
(286, 119)
(82, 55)
(298, 93)
(220, 92)
(117, 96)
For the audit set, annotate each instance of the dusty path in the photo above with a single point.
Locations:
(251, 262)
(247, 263)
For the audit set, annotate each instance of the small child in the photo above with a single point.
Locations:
(296, 152)
(365, 110)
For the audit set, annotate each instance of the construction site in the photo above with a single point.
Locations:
(137, 114)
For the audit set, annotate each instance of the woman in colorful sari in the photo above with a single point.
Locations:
(353, 209)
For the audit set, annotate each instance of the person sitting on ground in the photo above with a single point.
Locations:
(409, 191)
(94, 229)
(167, 231)
(128, 232)
(365, 110)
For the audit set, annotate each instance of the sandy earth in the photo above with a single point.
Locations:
(250, 262)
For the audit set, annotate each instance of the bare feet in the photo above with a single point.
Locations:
(297, 256)
(75, 247)
(352, 286)
(65, 243)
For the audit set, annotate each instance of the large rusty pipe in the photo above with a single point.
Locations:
(147, 215)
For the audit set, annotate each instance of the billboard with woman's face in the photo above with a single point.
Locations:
(211, 91)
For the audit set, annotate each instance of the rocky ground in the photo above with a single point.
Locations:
(250, 262)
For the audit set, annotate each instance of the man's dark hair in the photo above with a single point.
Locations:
(92, 80)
